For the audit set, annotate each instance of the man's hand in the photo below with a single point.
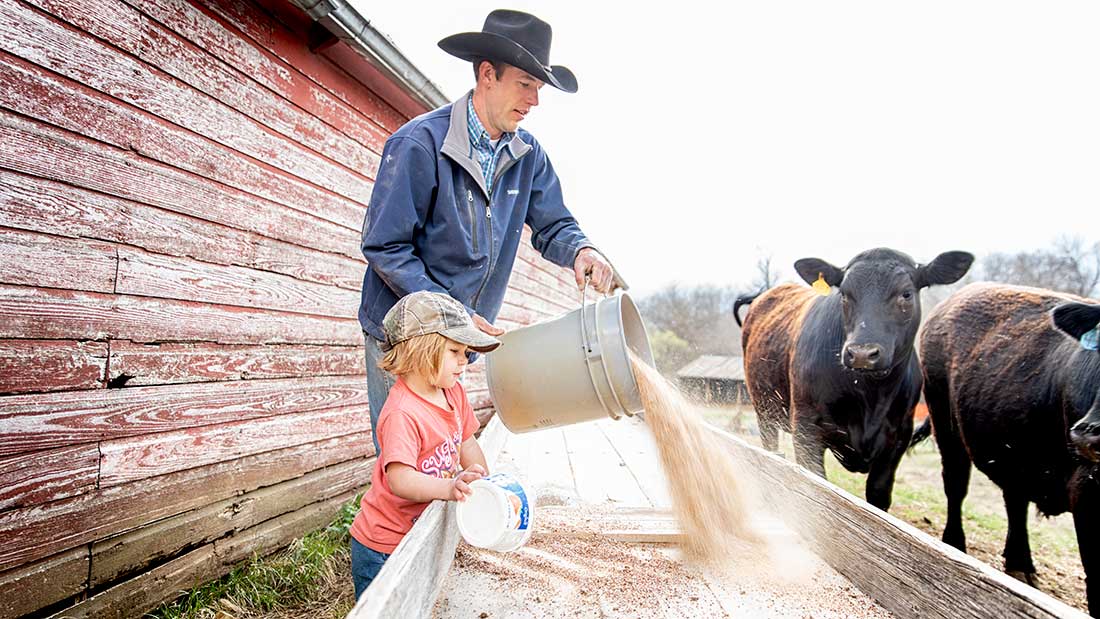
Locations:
(486, 326)
(601, 274)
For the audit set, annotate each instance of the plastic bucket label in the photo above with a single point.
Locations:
(521, 509)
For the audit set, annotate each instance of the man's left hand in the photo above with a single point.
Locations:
(601, 274)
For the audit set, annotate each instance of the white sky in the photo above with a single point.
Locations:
(704, 136)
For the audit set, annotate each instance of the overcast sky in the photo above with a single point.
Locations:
(705, 136)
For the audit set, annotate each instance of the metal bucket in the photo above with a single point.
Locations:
(571, 369)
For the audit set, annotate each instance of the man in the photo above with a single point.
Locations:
(456, 186)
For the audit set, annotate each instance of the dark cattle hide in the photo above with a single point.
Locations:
(1012, 382)
(838, 370)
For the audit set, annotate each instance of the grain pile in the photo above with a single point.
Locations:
(570, 568)
(702, 478)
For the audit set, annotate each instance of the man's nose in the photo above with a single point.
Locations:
(533, 100)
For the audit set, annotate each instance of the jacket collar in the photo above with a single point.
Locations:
(456, 145)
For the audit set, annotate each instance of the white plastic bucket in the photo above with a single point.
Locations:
(497, 515)
(571, 369)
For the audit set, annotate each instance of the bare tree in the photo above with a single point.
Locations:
(766, 277)
(700, 316)
(1069, 265)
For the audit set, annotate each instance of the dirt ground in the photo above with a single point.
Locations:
(919, 500)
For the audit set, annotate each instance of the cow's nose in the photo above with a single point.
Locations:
(863, 356)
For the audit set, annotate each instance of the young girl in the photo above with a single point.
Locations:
(426, 427)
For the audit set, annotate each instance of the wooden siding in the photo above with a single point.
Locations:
(182, 187)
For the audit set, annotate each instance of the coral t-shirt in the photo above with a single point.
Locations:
(412, 431)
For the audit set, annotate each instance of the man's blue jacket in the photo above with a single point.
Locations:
(432, 225)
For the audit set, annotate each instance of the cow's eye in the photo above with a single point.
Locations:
(908, 294)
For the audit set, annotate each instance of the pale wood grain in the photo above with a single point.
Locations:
(51, 365)
(47, 42)
(35, 532)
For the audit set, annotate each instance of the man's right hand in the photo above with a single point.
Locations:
(487, 326)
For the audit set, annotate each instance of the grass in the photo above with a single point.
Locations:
(309, 578)
(919, 500)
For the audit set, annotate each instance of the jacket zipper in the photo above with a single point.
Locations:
(489, 271)
(470, 211)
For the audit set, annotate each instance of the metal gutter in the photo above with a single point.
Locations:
(342, 19)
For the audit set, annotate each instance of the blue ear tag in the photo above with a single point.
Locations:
(1089, 340)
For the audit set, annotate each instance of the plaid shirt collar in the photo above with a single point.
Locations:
(487, 156)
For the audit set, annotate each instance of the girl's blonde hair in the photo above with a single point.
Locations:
(422, 354)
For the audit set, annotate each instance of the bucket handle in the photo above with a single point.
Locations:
(588, 353)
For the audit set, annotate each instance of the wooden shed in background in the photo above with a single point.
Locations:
(182, 188)
(715, 379)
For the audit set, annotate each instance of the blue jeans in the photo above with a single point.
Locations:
(365, 565)
(379, 383)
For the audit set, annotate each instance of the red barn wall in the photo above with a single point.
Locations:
(182, 187)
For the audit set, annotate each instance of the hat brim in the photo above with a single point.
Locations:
(471, 46)
(475, 339)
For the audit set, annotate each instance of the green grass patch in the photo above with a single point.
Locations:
(309, 574)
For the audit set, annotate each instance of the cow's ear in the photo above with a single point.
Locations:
(947, 268)
(812, 268)
(1080, 321)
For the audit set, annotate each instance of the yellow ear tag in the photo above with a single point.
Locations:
(820, 286)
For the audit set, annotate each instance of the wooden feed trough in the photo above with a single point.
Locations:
(601, 547)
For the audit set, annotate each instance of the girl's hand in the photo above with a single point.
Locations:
(460, 488)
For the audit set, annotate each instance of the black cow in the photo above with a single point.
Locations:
(838, 370)
(1012, 382)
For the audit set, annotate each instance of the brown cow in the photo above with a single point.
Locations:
(1012, 381)
(839, 371)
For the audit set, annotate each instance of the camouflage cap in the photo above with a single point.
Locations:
(426, 312)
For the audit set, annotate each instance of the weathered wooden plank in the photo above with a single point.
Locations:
(544, 454)
(133, 458)
(512, 316)
(28, 588)
(46, 42)
(34, 478)
(528, 254)
(634, 443)
(138, 595)
(282, 38)
(51, 365)
(600, 474)
(38, 531)
(32, 259)
(234, 49)
(59, 101)
(153, 275)
(550, 300)
(105, 20)
(130, 552)
(412, 577)
(48, 152)
(193, 62)
(938, 580)
(44, 421)
(66, 314)
(41, 205)
(527, 299)
(193, 66)
(278, 532)
(162, 364)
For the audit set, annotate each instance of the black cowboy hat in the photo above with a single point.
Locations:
(519, 39)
